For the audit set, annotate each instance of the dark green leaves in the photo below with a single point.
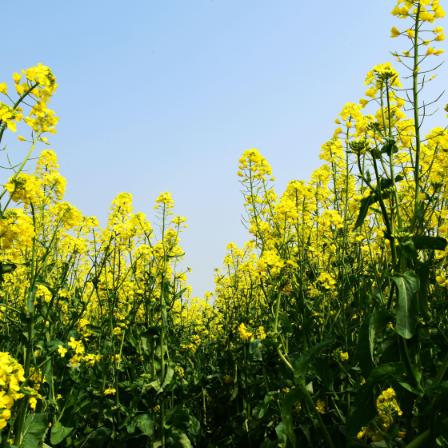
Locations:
(372, 327)
(34, 430)
(407, 304)
(59, 432)
(429, 242)
(389, 147)
(382, 191)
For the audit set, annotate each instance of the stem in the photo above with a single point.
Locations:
(416, 222)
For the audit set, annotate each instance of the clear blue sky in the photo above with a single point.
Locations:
(165, 96)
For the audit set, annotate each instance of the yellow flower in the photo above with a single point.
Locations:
(62, 350)
(110, 391)
(387, 407)
(33, 403)
(164, 200)
(261, 333)
(11, 375)
(245, 334)
(43, 293)
(321, 407)
(395, 32)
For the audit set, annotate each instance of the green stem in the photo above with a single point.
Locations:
(415, 100)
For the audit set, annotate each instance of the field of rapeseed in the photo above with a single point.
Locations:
(328, 328)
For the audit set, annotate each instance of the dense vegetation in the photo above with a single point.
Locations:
(328, 328)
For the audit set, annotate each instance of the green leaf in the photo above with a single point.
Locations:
(145, 424)
(282, 436)
(373, 325)
(255, 350)
(5, 268)
(305, 361)
(168, 378)
(407, 309)
(429, 242)
(59, 432)
(287, 424)
(184, 441)
(386, 372)
(389, 147)
(380, 191)
(35, 427)
(365, 204)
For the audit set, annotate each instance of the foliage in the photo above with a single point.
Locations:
(328, 328)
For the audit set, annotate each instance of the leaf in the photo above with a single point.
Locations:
(380, 191)
(365, 204)
(286, 428)
(386, 372)
(34, 430)
(255, 350)
(145, 424)
(429, 242)
(280, 429)
(6, 268)
(407, 309)
(373, 325)
(184, 441)
(59, 432)
(389, 147)
(304, 362)
(168, 378)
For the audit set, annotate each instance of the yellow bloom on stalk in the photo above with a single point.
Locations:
(42, 119)
(434, 51)
(66, 215)
(91, 359)
(117, 331)
(164, 201)
(377, 78)
(261, 333)
(395, 32)
(62, 351)
(428, 10)
(10, 116)
(3, 88)
(11, 375)
(253, 164)
(343, 356)
(321, 407)
(245, 334)
(270, 262)
(16, 229)
(47, 161)
(77, 346)
(439, 34)
(180, 372)
(43, 293)
(442, 278)
(387, 407)
(25, 188)
(326, 281)
(110, 391)
(32, 401)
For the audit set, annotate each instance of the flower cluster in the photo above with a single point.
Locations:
(11, 375)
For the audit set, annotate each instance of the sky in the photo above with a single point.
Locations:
(166, 95)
